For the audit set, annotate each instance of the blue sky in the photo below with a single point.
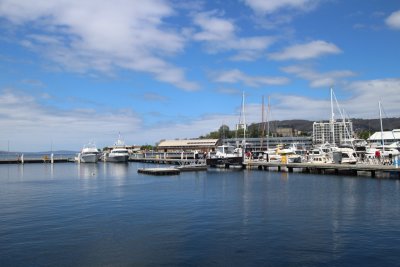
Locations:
(75, 71)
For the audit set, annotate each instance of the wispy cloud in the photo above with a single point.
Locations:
(309, 50)
(90, 35)
(270, 6)
(393, 21)
(236, 76)
(154, 97)
(361, 102)
(317, 79)
(30, 124)
(219, 34)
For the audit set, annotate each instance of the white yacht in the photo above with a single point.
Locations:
(119, 153)
(89, 154)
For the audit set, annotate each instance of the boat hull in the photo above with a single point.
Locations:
(213, 162)
(89, 158)
(118, 158)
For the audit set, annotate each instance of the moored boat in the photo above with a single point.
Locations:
(119, 153)
(89, 154)
(225, 156)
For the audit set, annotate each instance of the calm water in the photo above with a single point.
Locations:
(108, 215)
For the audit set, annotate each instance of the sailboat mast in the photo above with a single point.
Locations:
(380, 118)
(268, 116)
(244, 120)
(332, 119)
(262, 124)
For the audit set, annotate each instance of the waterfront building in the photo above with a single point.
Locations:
(336, 132)
(270, 142)
(204, 145)
(388, 137)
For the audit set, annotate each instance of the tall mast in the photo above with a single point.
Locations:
(332, 119)
(244, 120)
(380, 118)
(268, 116)
(262, 124)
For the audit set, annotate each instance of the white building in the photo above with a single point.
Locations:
(388, 137)
(323, 132)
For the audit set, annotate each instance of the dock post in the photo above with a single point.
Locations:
(279, 168)
(290, 169)
(373, 173)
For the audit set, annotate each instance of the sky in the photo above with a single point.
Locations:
(78, 71)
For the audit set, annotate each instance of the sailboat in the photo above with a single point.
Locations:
(383, 150)
(334, 151)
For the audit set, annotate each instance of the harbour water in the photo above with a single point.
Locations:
(107, 214)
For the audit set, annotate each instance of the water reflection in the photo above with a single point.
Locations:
(88, 170)
(117, 171)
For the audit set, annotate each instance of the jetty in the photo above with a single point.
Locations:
(34, 160)
(352, 169)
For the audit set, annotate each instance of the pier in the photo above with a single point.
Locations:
(35, 160)
(159, 171)
(352, 169)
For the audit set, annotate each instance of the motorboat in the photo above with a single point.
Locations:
(225, 155)
(89, 154)
(119, 152)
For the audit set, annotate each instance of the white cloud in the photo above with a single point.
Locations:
(326, 79)
(270, 6)
(367, 93)
(309, 50)
(236, 76)
(29, 125)
(393, 21)
(91, 35)
(220, 35)
(361, 102)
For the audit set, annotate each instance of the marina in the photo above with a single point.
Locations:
(52, 214)
(372, 170)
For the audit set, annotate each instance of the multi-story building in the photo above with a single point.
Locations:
(336, 132)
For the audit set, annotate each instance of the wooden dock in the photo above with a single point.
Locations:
(159, 171)
(34, 160)
(352, 169)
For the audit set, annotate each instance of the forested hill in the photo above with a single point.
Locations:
(359, 125)
(362, 127)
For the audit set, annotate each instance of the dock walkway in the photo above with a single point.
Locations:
(322, 168)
